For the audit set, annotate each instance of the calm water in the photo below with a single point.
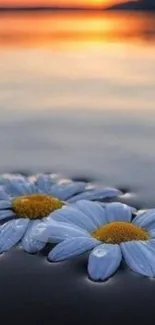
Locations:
(77, 95)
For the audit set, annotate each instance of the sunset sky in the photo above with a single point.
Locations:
(56, 2)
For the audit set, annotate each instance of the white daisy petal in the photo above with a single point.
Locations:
(72, 247)
(55, 178)
(3, 194)
(44, 183)
(71, 214)
(146, 220)
(139, 256)
(96, 194)
(13, 187)
(104, 260)
(152, 233)
(133, 210)
(118, 212)
(94, 211)
(29, 188)
(152, 242)
(140, 212)
(67, 190)
(11, 233)
(4, 214)
(17, 187)
(10, 176)
(29, 244)
(56, 232)
(5, 204)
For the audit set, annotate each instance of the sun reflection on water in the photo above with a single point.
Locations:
(74, 29)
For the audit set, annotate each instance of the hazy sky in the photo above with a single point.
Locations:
(56, 2)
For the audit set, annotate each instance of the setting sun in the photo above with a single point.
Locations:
(96, 2)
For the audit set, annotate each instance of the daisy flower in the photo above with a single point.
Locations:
(109, 232)
(8, 176)
(27, 202)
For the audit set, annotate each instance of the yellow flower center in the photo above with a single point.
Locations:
(35, 206)
(118, 232)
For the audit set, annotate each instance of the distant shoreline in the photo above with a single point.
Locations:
(45, 8)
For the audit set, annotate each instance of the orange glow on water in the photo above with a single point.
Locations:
(78, 29)
(71, 61)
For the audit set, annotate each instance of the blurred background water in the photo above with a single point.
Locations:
(77, 95)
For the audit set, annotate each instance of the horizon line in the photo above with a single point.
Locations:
(43, 7)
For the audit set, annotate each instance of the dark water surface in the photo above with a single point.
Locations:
(77, 95)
